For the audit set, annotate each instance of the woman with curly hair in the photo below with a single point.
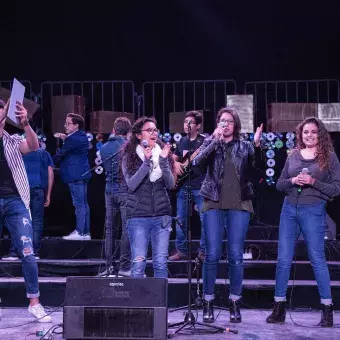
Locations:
(310, 178)
(147, 167)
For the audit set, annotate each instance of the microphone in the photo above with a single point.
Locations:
(304, 171)
(144, 143)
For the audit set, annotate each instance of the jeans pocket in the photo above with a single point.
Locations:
(166, 222)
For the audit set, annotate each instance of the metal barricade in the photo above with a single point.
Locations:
(113, 95)
(292, 91)
(162, 97)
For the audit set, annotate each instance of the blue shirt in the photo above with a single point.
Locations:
(111, 167)
(36, 164)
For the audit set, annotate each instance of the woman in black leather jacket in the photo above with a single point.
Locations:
(227, 193)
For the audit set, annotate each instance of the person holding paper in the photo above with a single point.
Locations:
(73, 160)
(15, 201)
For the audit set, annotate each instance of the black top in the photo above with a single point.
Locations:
(230, 196)
(7, 185)
(198, 172)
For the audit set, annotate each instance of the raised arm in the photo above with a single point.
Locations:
(209, 146)
(30, 143)
(167, 174)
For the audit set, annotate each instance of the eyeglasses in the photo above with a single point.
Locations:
(151, 131)
(228, 122)
(189, 122)
(67, 124)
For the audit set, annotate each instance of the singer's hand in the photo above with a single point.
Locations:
(258, 135)
(148, 152)
(178, 168)
(218, 133)
(298, 180)
(47, 201)
(165, 152)
(307, 179)
(21, 113)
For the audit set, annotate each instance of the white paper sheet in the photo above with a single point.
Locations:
(17, 94)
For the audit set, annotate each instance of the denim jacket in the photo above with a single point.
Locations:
(212, 154)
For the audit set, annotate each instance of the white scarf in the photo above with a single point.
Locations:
(156, 171)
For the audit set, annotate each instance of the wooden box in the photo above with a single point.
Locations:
(283, 117)
(61, 106)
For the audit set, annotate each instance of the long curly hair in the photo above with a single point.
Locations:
(129, 150)
(325, 145)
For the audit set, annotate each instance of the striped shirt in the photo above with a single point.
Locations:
(17, 166)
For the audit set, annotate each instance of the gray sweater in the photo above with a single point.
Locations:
(326, 185)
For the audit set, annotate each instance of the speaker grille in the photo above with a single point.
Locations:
(119, 322)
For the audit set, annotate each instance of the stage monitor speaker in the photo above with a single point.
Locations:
(243, 104)
(102, 121)
(283, 117)
(115, 308)
(61, 106)
(176, 121)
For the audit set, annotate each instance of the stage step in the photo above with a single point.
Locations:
(57, 248)
(256, 293)
(253, 269)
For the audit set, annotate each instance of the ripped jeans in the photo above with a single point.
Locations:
(141, 230)
(216, 222)
(17, 220)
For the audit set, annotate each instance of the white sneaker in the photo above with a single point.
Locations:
(126, 273)
(75, 236)
(87, 237)
(39, 313)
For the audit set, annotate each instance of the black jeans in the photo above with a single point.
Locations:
(116, 215)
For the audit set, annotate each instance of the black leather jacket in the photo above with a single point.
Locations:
(212, 154)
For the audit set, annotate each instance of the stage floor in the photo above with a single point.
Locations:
(253, 326)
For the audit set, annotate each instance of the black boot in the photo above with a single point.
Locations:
(235, 314)
(279, 313)
(327, 316)
(208, 311)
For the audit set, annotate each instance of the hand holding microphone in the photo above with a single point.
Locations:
(147, 150)
(303, 179)
(218, 133)
(306, 178)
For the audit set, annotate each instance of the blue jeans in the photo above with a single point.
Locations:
(115, 212)
(140, 230)
(17, 220)
(78, 191)
(310, 219)
(182, 215)
(235, 222)
(37, 211)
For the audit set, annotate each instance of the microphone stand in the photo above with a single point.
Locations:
(110, 269)
(189, 319)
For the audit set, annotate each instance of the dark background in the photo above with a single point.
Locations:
(169, 40)
(165, 40)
